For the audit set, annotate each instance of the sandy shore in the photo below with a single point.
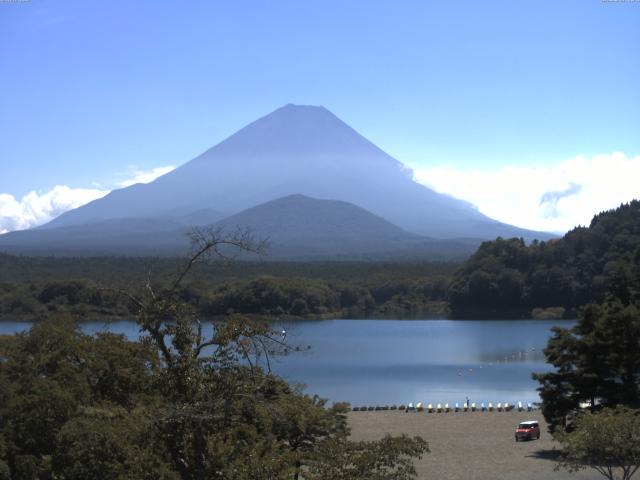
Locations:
(470, 446)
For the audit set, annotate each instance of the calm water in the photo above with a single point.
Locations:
(368, 362)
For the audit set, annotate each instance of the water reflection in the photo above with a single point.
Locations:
(386, 362)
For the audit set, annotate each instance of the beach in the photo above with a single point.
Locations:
(470, 446)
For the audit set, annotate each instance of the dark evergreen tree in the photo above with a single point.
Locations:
(598, 360)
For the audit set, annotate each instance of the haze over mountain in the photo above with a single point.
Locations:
(294, 150)
(296, 228)
(305, 228)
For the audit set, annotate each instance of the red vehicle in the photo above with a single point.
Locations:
(528, 430)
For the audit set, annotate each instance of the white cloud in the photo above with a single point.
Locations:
(38, 208)
(35, 208)
(143, 176)
(552, 198)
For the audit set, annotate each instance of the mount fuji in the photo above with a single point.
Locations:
(295, 151)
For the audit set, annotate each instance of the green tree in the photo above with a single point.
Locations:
(607, 441)
(598, 360)
(5, 473)
(110, 444)
(390, 458)
(50, 374)
(187, 401)
(228, 416)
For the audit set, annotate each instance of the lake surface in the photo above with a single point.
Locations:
(377, 362)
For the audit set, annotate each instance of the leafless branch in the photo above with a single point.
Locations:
(148, 285)
(266, 354)
(207, 242)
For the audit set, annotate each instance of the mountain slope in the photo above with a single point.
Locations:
(301, 227)
(120, 236)
(299, 216)
(297, 149)
(297, 228)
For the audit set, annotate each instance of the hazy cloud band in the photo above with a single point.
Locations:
(37, 208)
(552, 198)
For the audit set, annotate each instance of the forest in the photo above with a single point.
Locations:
(569, 272)
(505, 277)
(89, 288)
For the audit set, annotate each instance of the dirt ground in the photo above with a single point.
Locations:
(470, 446)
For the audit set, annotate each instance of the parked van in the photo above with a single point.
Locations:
(527, 430)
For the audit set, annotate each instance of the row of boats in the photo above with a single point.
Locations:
(445, 408)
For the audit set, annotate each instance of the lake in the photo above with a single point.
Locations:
(377, 362)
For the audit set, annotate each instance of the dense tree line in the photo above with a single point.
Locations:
(79, 298)
(174, 405)
(569, 272)
(133, 271)
(365, 290)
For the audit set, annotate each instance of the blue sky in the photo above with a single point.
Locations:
(93, 93)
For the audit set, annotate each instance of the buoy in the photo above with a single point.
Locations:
(473, 407)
